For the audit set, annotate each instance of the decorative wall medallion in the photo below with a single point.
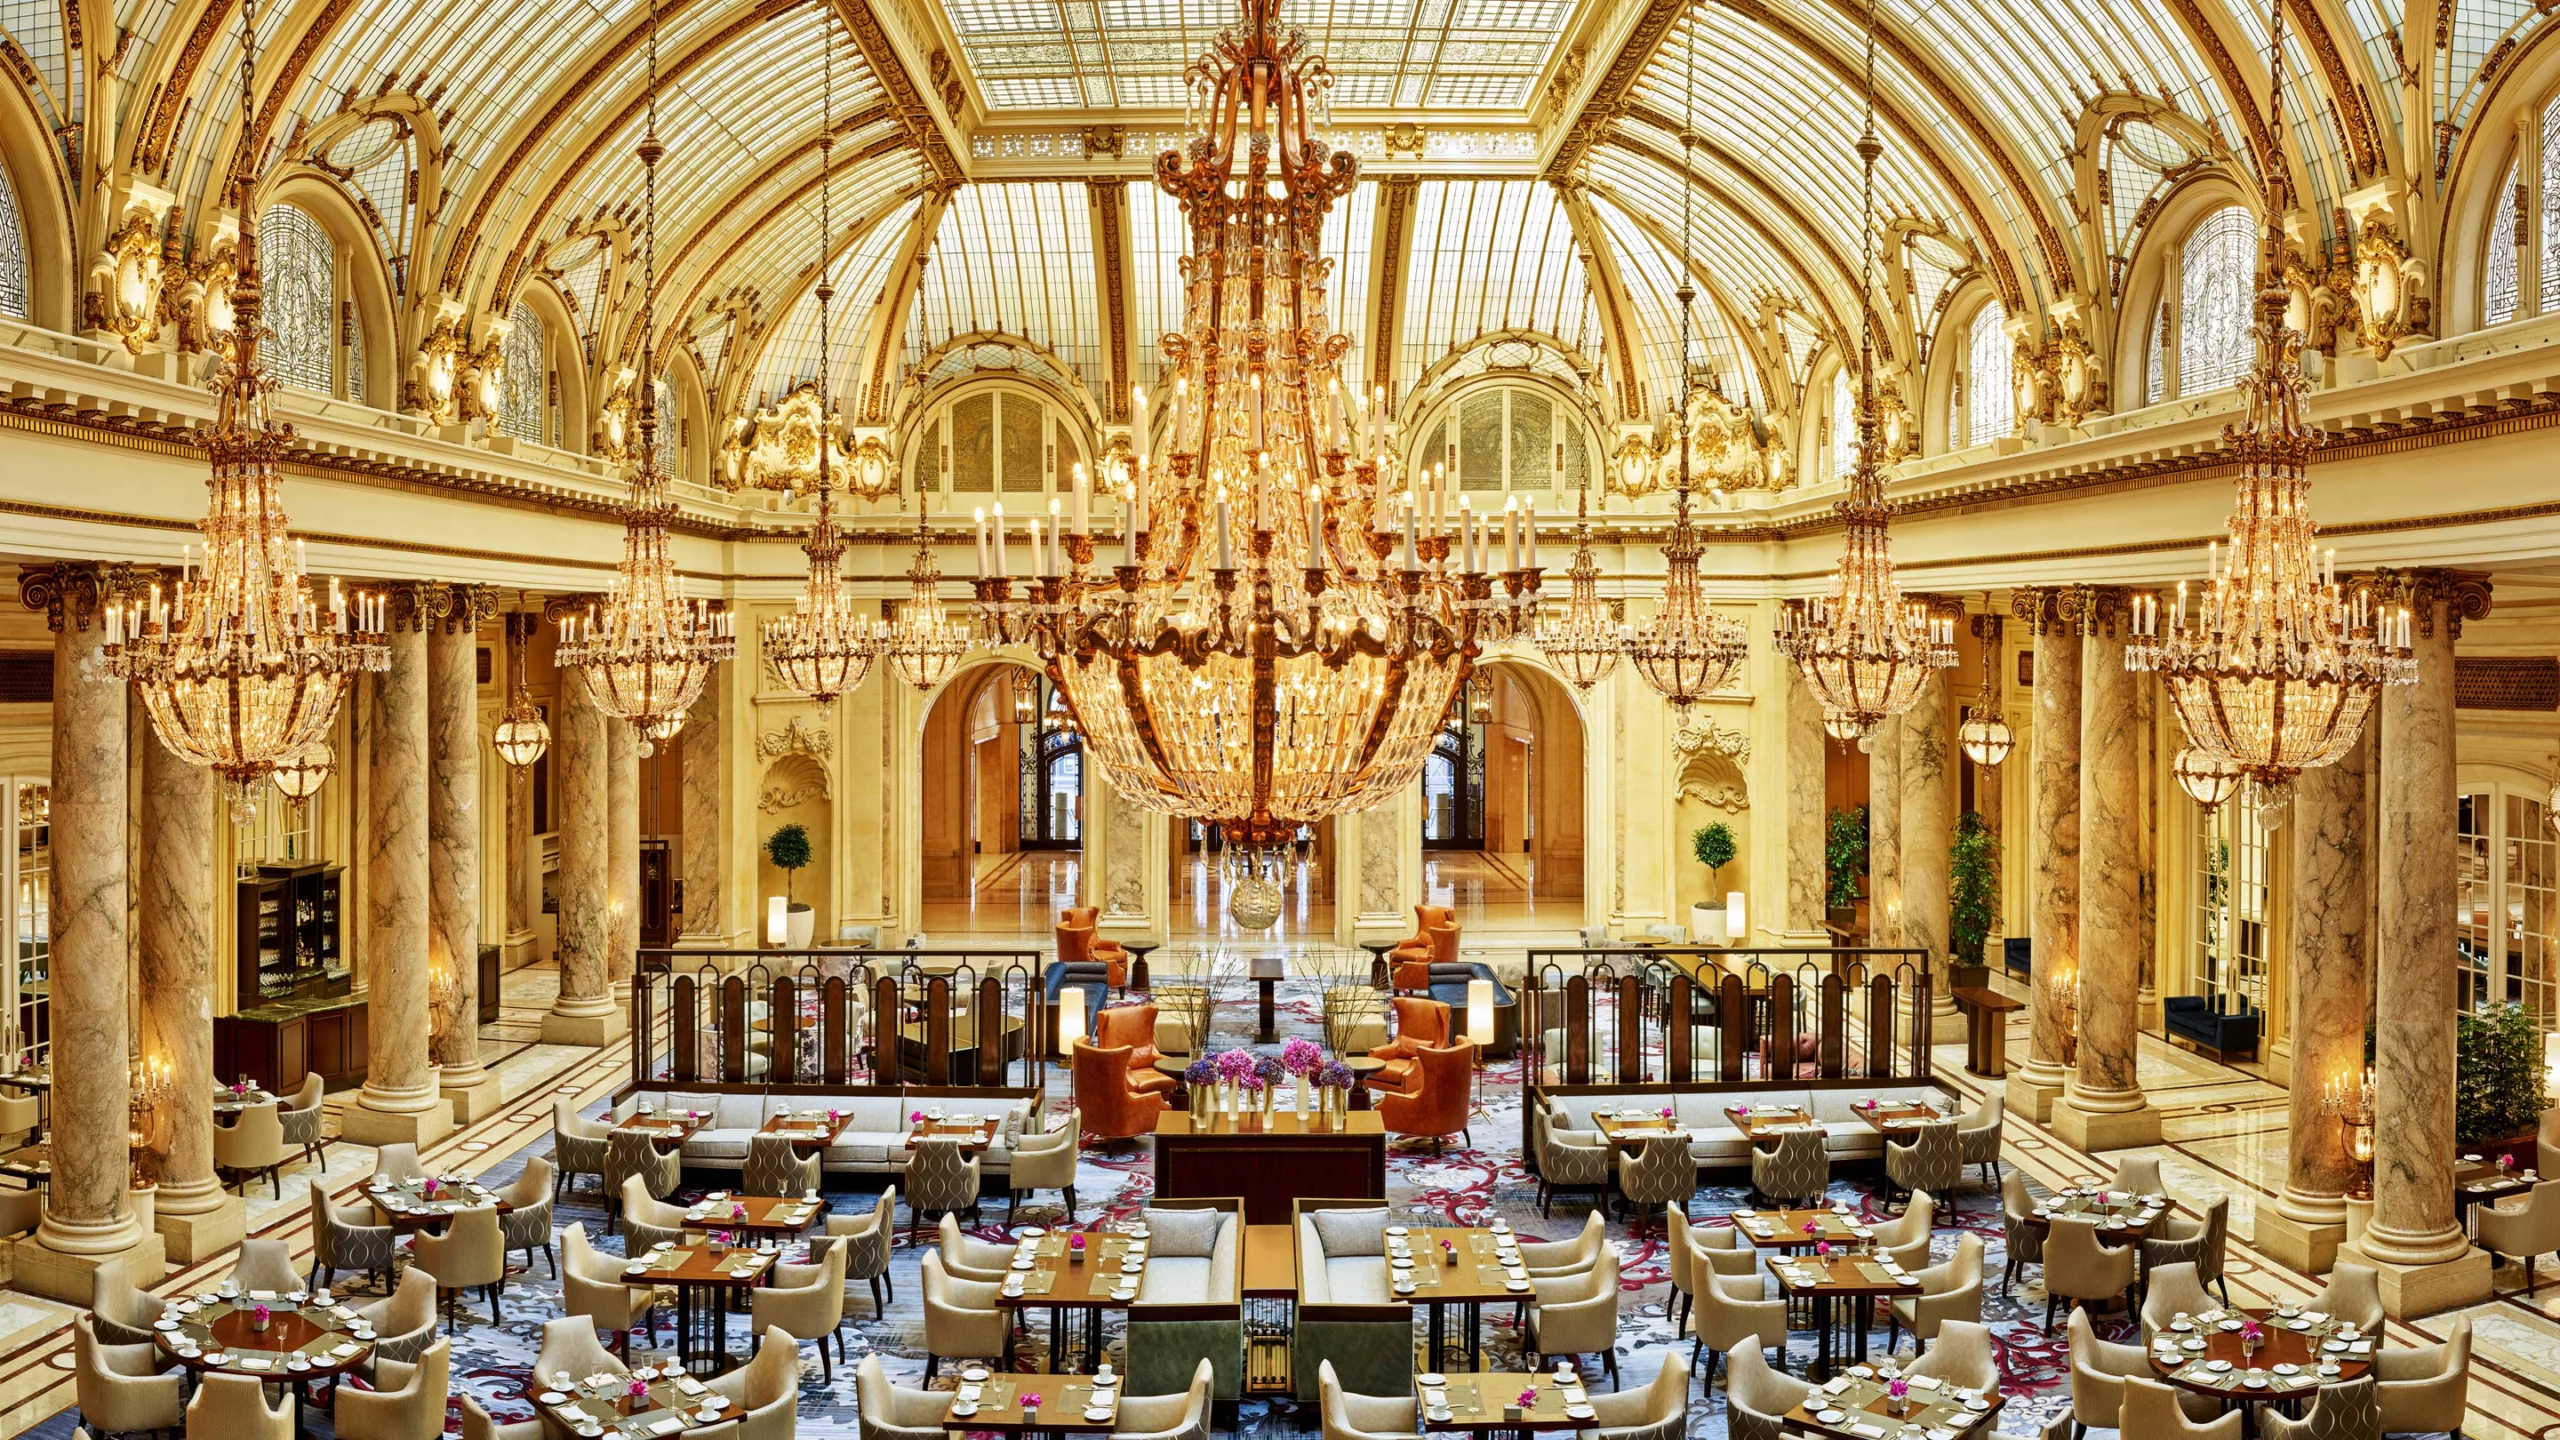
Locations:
(1709, 761)
(797, 737)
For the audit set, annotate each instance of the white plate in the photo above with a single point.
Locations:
(1024, 1265)
(1441, 1417)
(2255, 1380)
(1124, 1294)
(1405, 1287)
(1515, 1286)
(1105, 1382)
(1398, 1230)
(2170, 1358)
(2288, 1369)
(2217, 1366)
(164, 1324)
(2182, 1324)
(1832, 1417)
(962, 1408)
(1976, 1403)
(1580, 1412)
(2328, 1369)
(552, 1397)
(1031, 1232)
(1097, 1413)
(975, 1374)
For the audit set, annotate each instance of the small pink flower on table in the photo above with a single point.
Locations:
(1813, 1227)
(1031, 1401)
(1899, 1389)
(1529, 1399)
(639, 1390)
(738, 1211)
(1822, 1248)
(917, 1118)
(260, 1313)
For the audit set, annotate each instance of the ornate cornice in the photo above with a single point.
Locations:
(2465, 595)
(914, 114)
(1592, 121)
(71, 590)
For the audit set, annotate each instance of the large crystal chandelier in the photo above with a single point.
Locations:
(921, 641)
(822, 649)
(1264, 654)
(1583, 641)
(2279, 665)
(1863, 648)
(647, 651)
(240, 668)
(1687, 651)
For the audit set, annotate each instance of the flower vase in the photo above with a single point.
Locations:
(1897, 1408)
(1302, 1088)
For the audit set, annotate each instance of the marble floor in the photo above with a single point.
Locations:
(2224, 1134)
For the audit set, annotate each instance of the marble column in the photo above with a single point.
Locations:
(2103, 1107)
(703, 925)
(1808, 813)
(88, 1217)
(402, 1101)
(1884, 833)
(622, 854)
(2146, 695)
(523, 864)
(2054, 852)
(2414, 1239)
(453, 843)
(174, 924)
(585, 1013)
(1928, 829)
(2329, 978)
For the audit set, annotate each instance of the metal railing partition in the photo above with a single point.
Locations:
(826, 1019)
(1699, 1015)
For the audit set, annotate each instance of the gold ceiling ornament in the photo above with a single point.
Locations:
(822, 649)
(1985, 734)
(441, 358)
(787, 445)
(1686, 651)
(240, 668)
(124, 296)
(1635, 467)
(2388, 306)
(921, 641)
(1261, 657)
(1866, 651)
(2279, 665)
(1584, 639)
(646, 653)
(522, 735)
(875, 468)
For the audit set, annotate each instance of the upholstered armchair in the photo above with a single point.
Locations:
(301, 1120)
(251, 1145)
(1933, 1158)
(2546, 1143)
(20, 1211)
(478, 1424)
(1735, 1313)
(2099, 1370)
(265, 1265)
(577, 1145)
(2151, 1411)
(1090, 947)
(1045, 1160)
(404, 1322)
(122, 1310)
(1567, 1160)
(2169, 1291)
(341, 1241)
(1437, 1104)
(1963, 1356)
(1547, 1259)
(527, 1227)
(1978, 1136)
(2021, 1237)
(1758, 1398)
(2139, 1174)
(941, 1178)
(398, 1162)
(2354, 1293)
(1133, 1027)
(865, 1239)
(569, 1342)
(647, 1221)
(2523, 1229)
(470, 1255)
(1364, 1417)
(2337, 1411)
(120, 1387)
(961, 1321)
(20, 1117)
(890, 1411)
(1950, 1290)
(235, 1407)
(593, 1292)
(1657, 1174)
(1434, 938)
(766, 1388)
(1905, 1238)
(628, 1154)
(2200, 1243)
(1181, 1416)
(776, 1167)
(2425, 1387)
(1795, 1167)
(1722, 1252)
(1113, 1108)
(967, 1257)
(806, 1300)
(1420, 1025)
(2077, 1267)
(1577, 1314)
(1659, 1411)
(406, 1402)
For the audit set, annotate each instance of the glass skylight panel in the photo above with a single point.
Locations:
(2478, 26)
(1487, 255)
(1990, 405)
(1652, 286)
(2217, 275)
(2377, 27)
(1737, 252)
(2498, 293)
(1157, 240)
(1014, 259)
(13, 253)
(1347, 232)
(35, 27)
(791, 356)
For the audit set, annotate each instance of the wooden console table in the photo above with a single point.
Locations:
(1270, 1160)
(1986, 1031)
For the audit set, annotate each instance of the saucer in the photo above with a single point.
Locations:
(975, 1374)
(1832, 1417)
(963, 1408)
(552, 1397)
(1097, 1413)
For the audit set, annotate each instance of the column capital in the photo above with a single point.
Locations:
(1987, 626)
(523, 625)
(556, 608)
(2039, 608)
(2096, 609)
(1947, 607)
(415, 604)
(79, 590)
(2465, 593)
(468, 607)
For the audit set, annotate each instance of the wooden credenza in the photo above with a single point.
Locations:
(277, 1045)
(1271, 1161)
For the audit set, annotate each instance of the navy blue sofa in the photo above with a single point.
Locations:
(2206, 1025)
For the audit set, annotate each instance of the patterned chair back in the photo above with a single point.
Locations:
(773, 1167)
(1799, 1169)
(628, 1153)
(941, 1176)
(1933, 1161)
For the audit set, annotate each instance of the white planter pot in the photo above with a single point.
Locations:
(802, 921)
(1706, 924)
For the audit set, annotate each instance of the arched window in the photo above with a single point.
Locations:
(2155, 369)
(520, 401)
(1990, 408)
(13, 253)
(1513, 438)
(298, 269)
(2216, 270)
(1844, 423)
(2498, 291)
(2551, 204)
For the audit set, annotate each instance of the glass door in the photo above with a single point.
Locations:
(29, 1028)
(2507, 906)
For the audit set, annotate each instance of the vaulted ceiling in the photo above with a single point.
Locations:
(1006, 142)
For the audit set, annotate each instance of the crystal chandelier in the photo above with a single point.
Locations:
(1583, 640)
(822, 649)
(2279, 665)
(1864, 649)
(1261, 657)
(647, 653)
(1686, 651)
(1985, 734)
(921, 641)
(240, 668)
(522, 734)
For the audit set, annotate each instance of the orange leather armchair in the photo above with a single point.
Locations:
(1435, 938)
(1134, 1027)
(1420, 1026)
(1437, 1107)
(1077, 945)
(1113, 1108)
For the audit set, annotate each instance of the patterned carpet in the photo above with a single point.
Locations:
(1464, 1186)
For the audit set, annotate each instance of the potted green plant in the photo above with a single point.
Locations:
(1713, 847)
(788, 848)
(2497, 1077)
(1973, 866)
(1844, 864)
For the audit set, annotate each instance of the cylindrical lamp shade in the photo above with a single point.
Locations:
(1070, 1017)
(777, 922)
(1734, 929)
(1480, 1013)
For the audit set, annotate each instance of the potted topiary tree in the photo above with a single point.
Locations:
(1712, 846)
(788, 848)
(1973, 869)
(1844, 866)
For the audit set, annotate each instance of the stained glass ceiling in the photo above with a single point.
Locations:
(1105, 54)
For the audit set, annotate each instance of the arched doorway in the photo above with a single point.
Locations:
(1502, 821)
(1004, 803)
(1202, 880)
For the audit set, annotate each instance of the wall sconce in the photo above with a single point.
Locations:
(777, 922)
(2350, 1098)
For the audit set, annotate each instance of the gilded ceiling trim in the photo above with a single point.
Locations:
(171, 100)
(914, 114)
(1111, 212)
(1609, 287)
(2237, 89)
(1394, 236)
(1774, 379)
(298, 63)
(1592, 121)
(2363, 137)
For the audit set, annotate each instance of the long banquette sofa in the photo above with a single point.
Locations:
(1190, 1301)
(1712, 1139)
(875, 1141)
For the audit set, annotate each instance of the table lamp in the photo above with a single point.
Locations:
(1479, 1031)
(1070, 1018)
(1734, 929)
(777, 922)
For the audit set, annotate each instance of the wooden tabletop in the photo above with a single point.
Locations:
(1478, 1275)
(2284, 1346)
(1270, 1262)
(1063, 1401)
(611, 1409)
(1838, 1275)
(1623, 1128)
(1476, 1400)
(772, 1214)
(406, 1203)
(807, 1132)
(28, 1079)
(2496, 1184)
(29, 1162)
(974, 1134)
(1756, 1125)
(1226, 1125)
(226, 1103)
(667, 1129)
(227, 1328)
(1863, 1401)
(1056, 1279)
(1982, 999)
(701, 1265)
(2119, 1214)
(1786, 1229)
(1880, 1113)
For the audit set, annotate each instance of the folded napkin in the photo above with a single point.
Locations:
(257, 1364)
(667, 1425)
(1872, 1432)
(1836, 1386)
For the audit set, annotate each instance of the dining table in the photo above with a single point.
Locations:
(1052, 1271)
(2268, 1355)
(1445, 1268)
(780, 1216)
(705, 1278)
(1487, 1402)
(1842, 1286)
(420, 1203)
(303, 1337)
(994, 1401)
(1860, 1405)
(649, 1403)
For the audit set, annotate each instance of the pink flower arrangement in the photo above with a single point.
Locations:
(1301, 1056)
(1822, 1248)
(916, 1118)
(1031, 1400)
(1075, 1242)
(738, 1211)
(834, 1117)
(1666, 1112)
(259, 1313)
(1899, 1389)
(1813, 1227)
(1528, 1399)
(2250, 1332)
(2506, 1162)
(430, 1187)
(639, 1390)
(1235, 1066)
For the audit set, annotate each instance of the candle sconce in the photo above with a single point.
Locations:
(2065, 988)
(149, 1088)
(2350, 1098)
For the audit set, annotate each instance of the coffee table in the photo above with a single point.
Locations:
(773, 1215)
(1139, 950)
(1380, 972)
(1863, 1401)
(1882, 1114)
(1064, 1399)
(1268, 972)
(1361, 1068)
(704, 1279)
(1477, 1401)
(608, 1408)
(1836, 1285)
(2305, 1348)
(1059, 1283)
(1477, 1277)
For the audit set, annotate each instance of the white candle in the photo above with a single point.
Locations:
(1039, 556)
(1226, 547)
(982, 542)
(1001, 568)
(1057, 541)
(1138, 424)
(1261, 484)
(1083, 502)
(1529, 523)
(1315, 527)
(1138, 498)
(1466, 535)
(1511, 535)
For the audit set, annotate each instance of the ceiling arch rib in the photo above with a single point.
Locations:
(860, 271)
(1652, 274)
(1488, 256)
(1015, 258)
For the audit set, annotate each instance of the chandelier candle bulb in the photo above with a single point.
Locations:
(1529, 526)
(1083, 503)
(1226, 548)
